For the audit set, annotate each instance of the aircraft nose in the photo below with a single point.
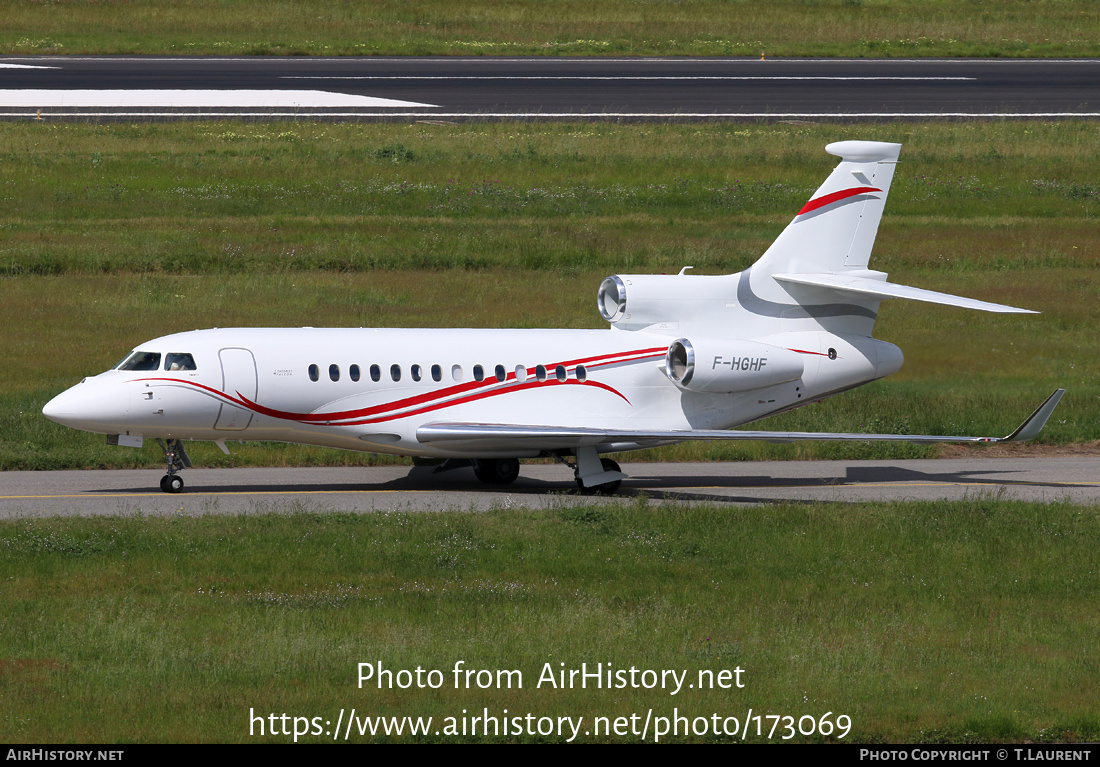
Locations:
(59, 408)
(87, 407)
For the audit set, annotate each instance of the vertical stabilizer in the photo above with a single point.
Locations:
(835, 230)
(831, 235)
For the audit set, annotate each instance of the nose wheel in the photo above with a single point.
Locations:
(177, 460)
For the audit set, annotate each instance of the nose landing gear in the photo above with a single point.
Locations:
(177, 459)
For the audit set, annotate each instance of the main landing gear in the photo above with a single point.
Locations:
(177, 460)
(594, 475)
(497, 471)
(599, 476)
(607, 488)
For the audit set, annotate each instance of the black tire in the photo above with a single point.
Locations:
(172, 483)
(608, 488)
(497, 471)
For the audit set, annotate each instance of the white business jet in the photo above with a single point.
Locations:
(687, 357)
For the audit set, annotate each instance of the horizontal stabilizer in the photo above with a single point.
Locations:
(519, 437)
(848, 283)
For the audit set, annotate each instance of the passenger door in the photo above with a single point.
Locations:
(238, 376)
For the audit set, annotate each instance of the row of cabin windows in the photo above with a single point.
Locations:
(416, 372)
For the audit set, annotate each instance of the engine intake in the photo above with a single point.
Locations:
(611, 299)
(630, 301)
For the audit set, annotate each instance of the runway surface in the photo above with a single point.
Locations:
(456, 88)
(244, 491)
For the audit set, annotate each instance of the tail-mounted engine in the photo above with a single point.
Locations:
(720, 367)
(636, 301)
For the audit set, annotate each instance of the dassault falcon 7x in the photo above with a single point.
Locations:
(687, 357)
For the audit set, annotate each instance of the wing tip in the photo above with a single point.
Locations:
(1035, 422)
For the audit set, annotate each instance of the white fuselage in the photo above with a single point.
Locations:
(687, 357)
(370, 389)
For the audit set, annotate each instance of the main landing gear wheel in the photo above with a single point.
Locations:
(608, 488)
(171, 483)
(497, 471)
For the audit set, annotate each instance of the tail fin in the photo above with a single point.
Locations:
(835, 230)
(820, 259)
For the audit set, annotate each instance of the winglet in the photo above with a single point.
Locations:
(1035, 422)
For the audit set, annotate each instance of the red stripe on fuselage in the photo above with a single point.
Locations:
(431, 400)
(204, 387)
(481, 395)
(443, 394)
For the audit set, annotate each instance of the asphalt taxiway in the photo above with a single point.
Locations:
(247, 491)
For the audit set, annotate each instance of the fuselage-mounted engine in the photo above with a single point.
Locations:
(723, 367)
(656, 301)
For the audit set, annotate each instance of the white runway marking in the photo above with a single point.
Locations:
(579, 115)
(610, 77)
(272, 99)
(449, 61)
(25, 66)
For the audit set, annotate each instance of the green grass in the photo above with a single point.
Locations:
(203, 197)
(879, 28)
(945, 622)
(113, 234)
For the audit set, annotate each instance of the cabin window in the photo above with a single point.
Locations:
(353, 372)
(437, 373)
(499, 370)
(521, 373)
(416, 372)
(334, 372)
(395, 372)
(582, 374)
(375, 373)
(141, 361)
(479, 373)
(540, 372)
(456, 372)
(314, 373)
(559, 371)
(179, 361)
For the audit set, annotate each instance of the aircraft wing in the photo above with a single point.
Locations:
(499, 436)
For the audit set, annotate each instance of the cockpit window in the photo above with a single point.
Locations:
(141, 361)
(179, 361)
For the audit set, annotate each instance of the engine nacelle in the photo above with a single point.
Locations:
(643, 300)
(724, 367)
